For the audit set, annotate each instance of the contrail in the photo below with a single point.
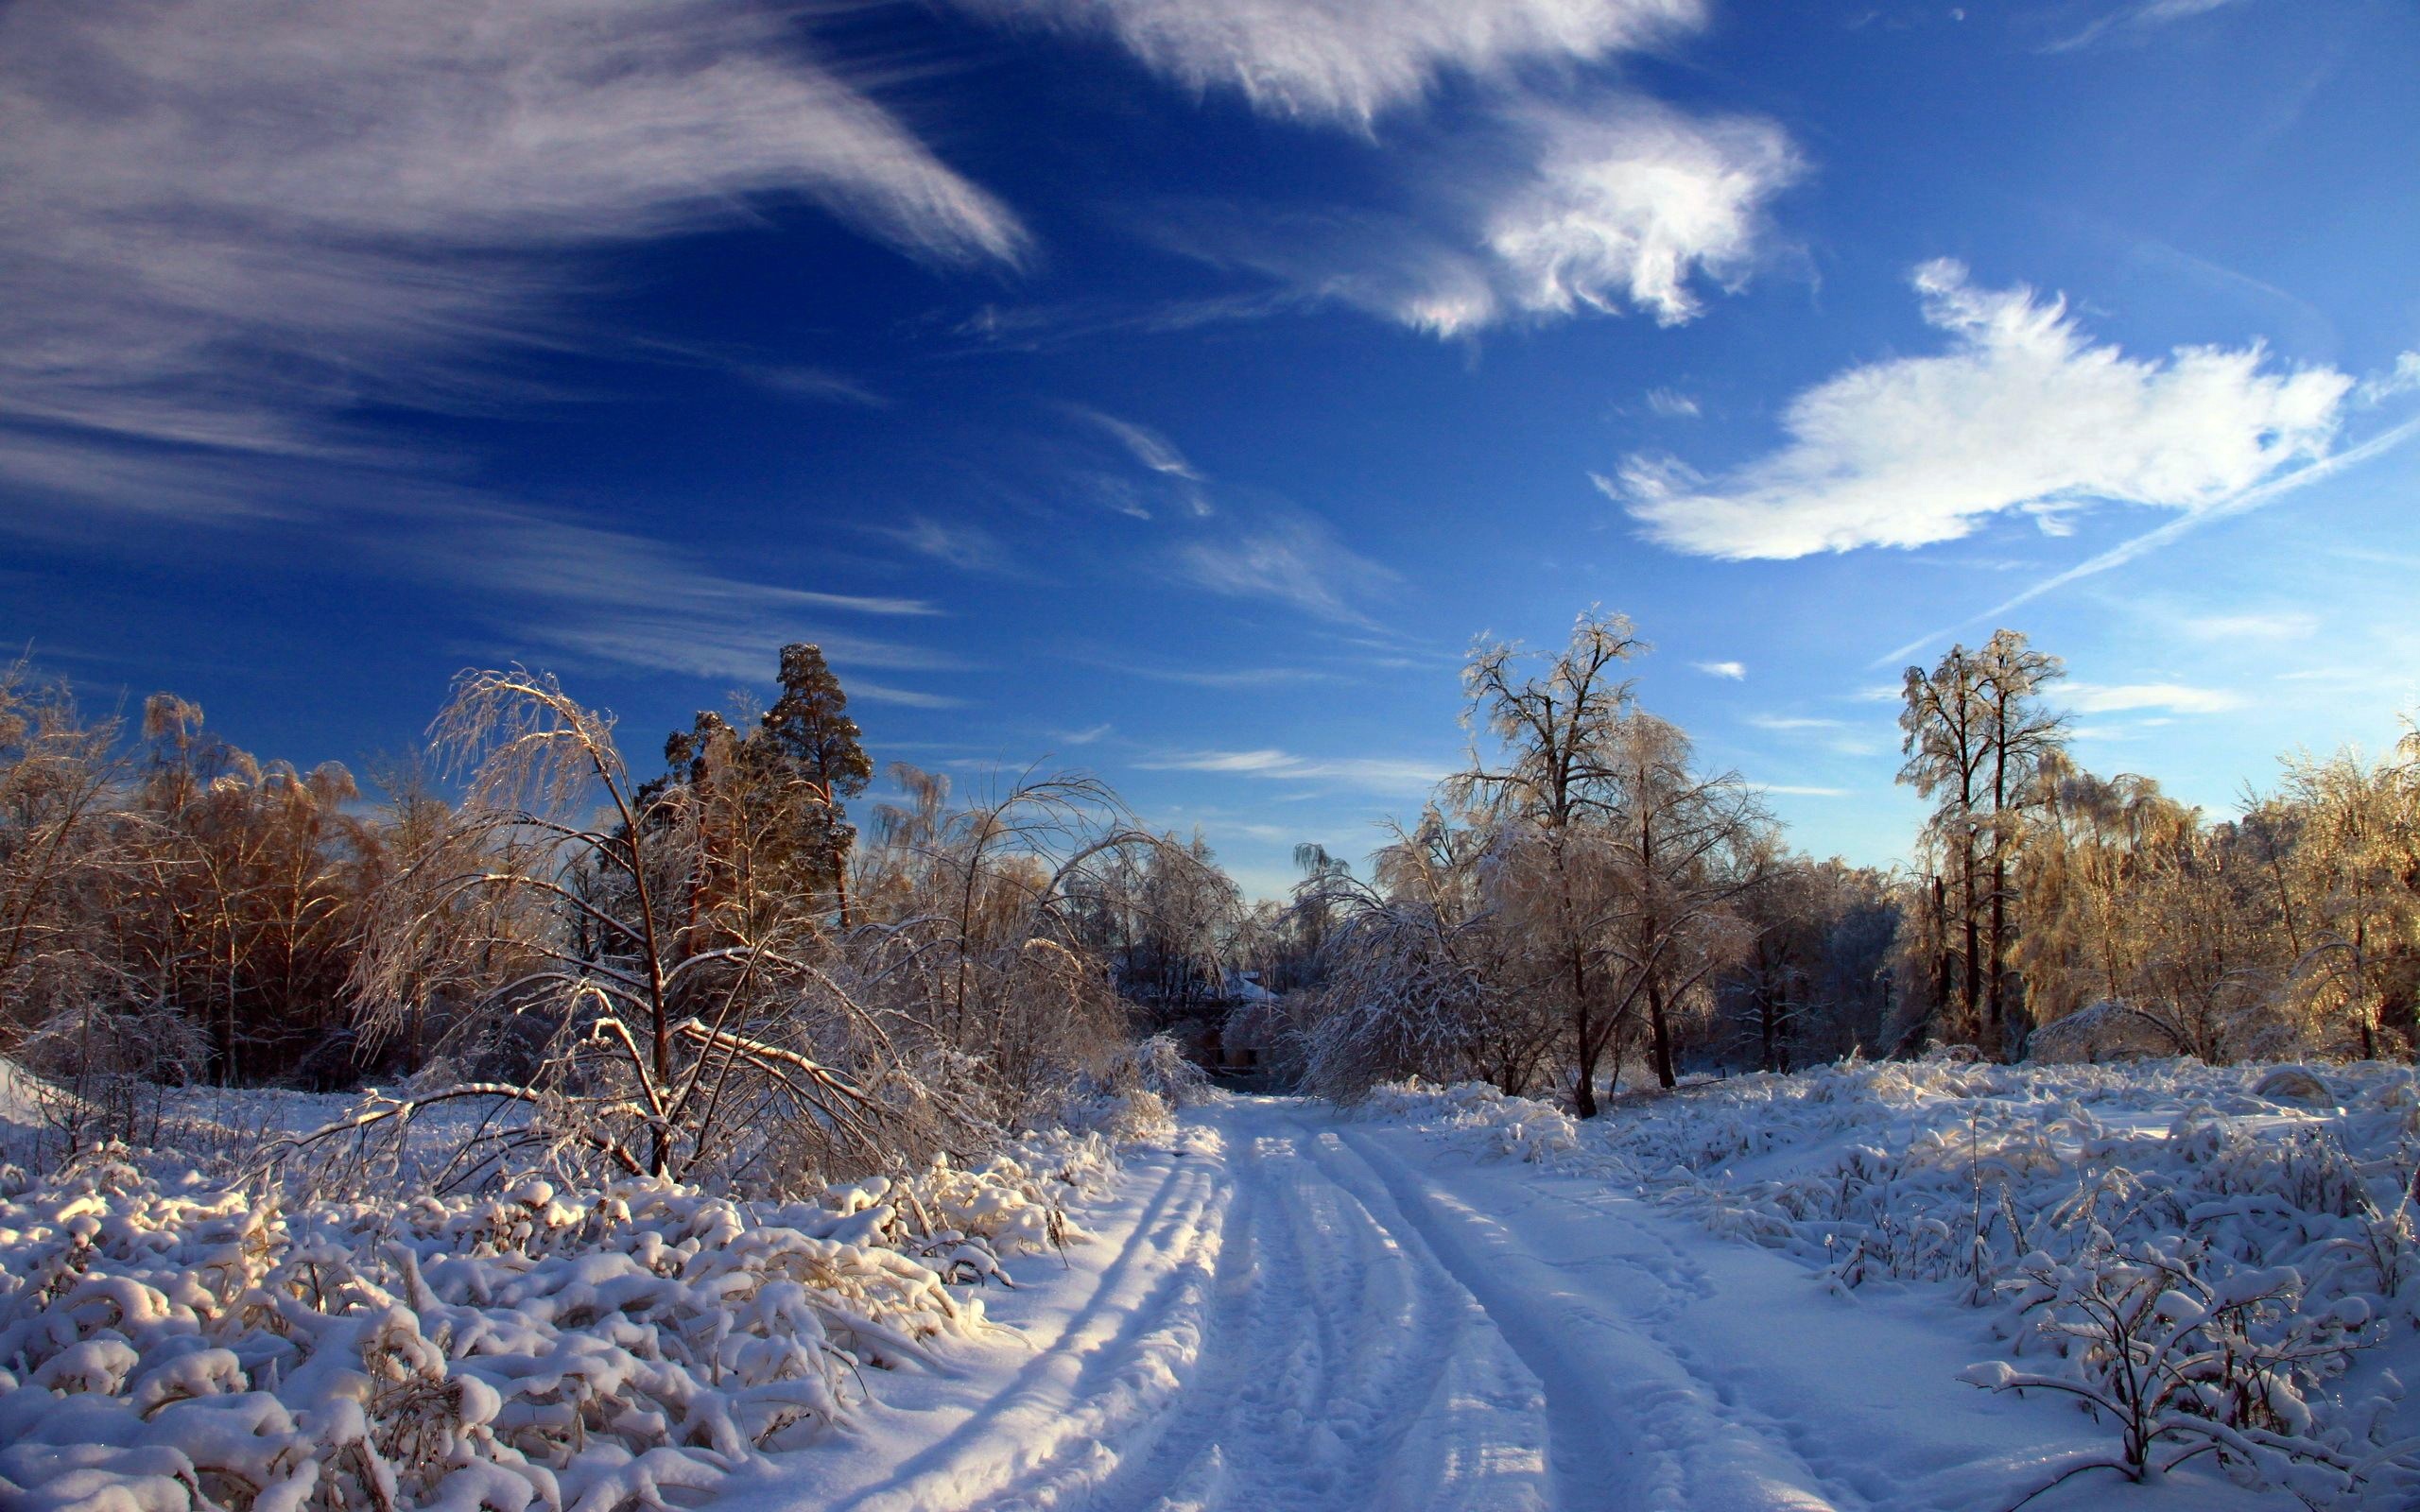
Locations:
(2124, 552)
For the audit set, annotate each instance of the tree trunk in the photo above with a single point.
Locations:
(1973, 1006)
(1663, 1033)
(1941, 936)
(1994, 1010)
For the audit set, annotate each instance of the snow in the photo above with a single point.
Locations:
(1443, 1299)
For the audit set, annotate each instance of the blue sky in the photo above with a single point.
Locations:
(1175, 387)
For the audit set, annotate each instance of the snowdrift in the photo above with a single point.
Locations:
(2216, 1261)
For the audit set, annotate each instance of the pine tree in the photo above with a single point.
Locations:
(817, 744)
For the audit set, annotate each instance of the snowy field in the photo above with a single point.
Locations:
(1770, 1293)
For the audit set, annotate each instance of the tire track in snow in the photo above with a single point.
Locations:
(1634, 1424)
(1109, 1373)
(1344, 1370)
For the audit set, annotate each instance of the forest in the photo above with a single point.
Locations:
(730, 961)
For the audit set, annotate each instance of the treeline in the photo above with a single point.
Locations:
(1591, 899)
(709, 967)
(724, 944)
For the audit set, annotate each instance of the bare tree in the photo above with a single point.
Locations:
(657, 1057)
(1945, 724)
(1545, 797)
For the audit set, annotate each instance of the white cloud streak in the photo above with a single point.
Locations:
(1151, 450)
(1280, 765)
(2023, 413)
(1349, 60)
(1733, 671)
(619, 599)
(966, 547)
(1291, 557)
(2097, 698)
(228, 226)
(2284, 625)
(2137, 16)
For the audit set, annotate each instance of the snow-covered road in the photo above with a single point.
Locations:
(1301, 1313)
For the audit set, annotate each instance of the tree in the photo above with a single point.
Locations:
(2355, 877)
(1945, 723)
(1684, 847)
(662, 1059)
(2018, 733)
(1546, 799)
(978, 928)
(819, 746)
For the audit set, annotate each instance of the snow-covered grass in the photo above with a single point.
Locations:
(180, 1333)
(2243, 1234)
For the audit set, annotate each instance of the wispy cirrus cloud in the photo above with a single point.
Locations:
(1194, 676)
(1287, 556)
(1349, 60)
(2134, 18)
(2023, 413)
(1541, 214)
(1385, 773)
(2173, 697)
(1733, 671)
(2280, 625)
(967, 548)
(607, 595)
(1154, 454)
(228, 228)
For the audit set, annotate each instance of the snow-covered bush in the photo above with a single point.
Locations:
(1158, 1066)
(170, 1344)
(1481, 1119)
(2183, 1366)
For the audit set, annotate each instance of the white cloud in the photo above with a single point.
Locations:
(1215, 677)
(2401, 379)
(1368, 771)
(228, 226)
(1671, 403)
(1085, 736)
(1629, 205)
(2285, 625)
(1350, 59)
(1541, 214)
(2099, 699)
(1289, 557)
(2023, 413)
(1149, 449)
(967, 548)
(1796, 790)
(1736, 671)
(1793, 722)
